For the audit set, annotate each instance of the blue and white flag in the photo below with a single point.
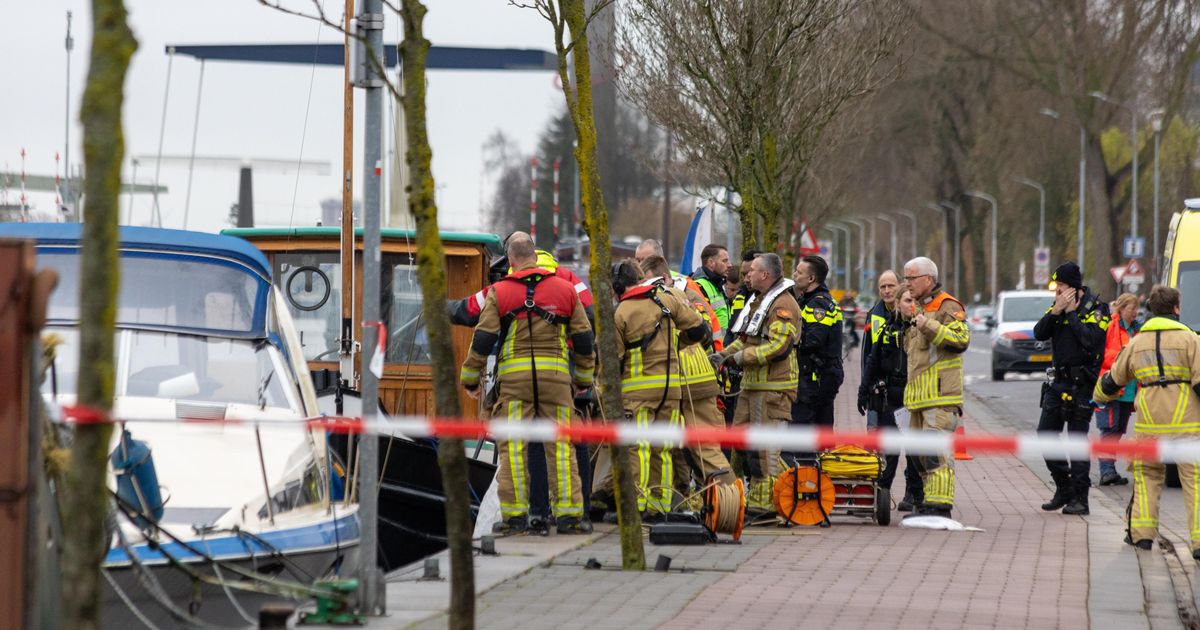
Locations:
(699, 235)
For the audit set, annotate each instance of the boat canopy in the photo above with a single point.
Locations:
(490, 241)
(171, 280)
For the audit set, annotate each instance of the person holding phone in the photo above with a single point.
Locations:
(1077, 323)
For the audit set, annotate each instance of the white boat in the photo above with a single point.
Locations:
(223, 496)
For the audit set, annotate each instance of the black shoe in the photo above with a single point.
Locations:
(933, 509)
(1062, 496)
(649, 518)
(1144, 544)
(1077, 507)
(513, 526)
(907, 503)
(1196, 554)
(538, 527)
(572, 525)
(610, 517)
(1113, 479)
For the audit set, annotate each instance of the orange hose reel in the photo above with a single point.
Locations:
(795, 495)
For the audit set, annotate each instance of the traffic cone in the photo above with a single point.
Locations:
(960, 452)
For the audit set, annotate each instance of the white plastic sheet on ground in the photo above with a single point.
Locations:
(937, 522)
(489, 510)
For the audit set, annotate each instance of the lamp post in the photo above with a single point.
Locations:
(862, 249)
(892, 224)
(1079, 243)
(1042, 207)
(912, 217)
(1133, 214)
(943, 213)
(1156, 123)
(957, 242)
(839, 250)
(995, 228)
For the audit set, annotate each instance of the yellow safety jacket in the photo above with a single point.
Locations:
(647, 321)
(935, 366)
(1164, 359)
(699, 377)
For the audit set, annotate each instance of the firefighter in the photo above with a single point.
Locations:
(884, 375)
(819, 348)
(738, 301)
(465, 312)
(529, 316)
(934, 392)
(698, 393)
(767, 330)
(730, 378)
(652, 320)
(714, 263)
(1077, 324)
(1164, 359)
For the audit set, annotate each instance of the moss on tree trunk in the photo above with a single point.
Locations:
(431, 272)
(86, 497)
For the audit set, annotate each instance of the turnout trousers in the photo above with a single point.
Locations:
(937, 471)
(653, 466)
(703, 459)
(566, 498)
(1143, 506)
(761, 409)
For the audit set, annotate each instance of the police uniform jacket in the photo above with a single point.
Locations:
(1078, 340)
(819, 348)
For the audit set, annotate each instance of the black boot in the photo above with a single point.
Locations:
(538, 526)
(511, 527)
(907, 503)
(1062, 496)
(1079, 503)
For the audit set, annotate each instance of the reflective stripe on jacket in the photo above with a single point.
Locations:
(934, 351)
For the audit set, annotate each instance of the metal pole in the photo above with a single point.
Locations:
(912, 218)
(842, 249)
(1042, 207)
(156, 216)
(370, 20)
(957, 240)
(1079, 240)
(892, 224)
(187, 202)
(1157, 252)
(67, 197)
(862, 250)
(132, 189)
(732, 229)
(1133, 215)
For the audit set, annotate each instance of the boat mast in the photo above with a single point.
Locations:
(68, 198)
(346, 354)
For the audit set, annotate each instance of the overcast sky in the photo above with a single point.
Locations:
(252, 110)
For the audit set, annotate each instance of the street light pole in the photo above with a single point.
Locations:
(1042, 209)
(862, 250)
(844, 250)
(892, 224)
(1156, 124)
(912, 217)
(1133, 214)
(1079, 237)
(944, 214)
(995, 228)
(957, 243)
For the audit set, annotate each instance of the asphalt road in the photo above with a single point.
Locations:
(1015, 399)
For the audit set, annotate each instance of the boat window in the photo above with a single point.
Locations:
(407, 341)
(1188, 283)
(159, 290)
(203, 370)
(311, 284)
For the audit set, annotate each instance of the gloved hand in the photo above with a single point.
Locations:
(717, 359)
(862, 402)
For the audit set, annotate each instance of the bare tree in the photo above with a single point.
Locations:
(748, 86)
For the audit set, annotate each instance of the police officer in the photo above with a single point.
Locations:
(819, 349)
(884, 375)
(1164, 359)
(1077, 323)
(714, 263)
(767, 330)
(934, 393)
(651, 321)
(527, 315)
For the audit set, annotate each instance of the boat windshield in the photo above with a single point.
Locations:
(180, 367)
(159, 290)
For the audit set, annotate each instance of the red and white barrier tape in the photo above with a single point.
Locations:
(788, 438)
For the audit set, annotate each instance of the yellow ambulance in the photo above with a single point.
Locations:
(1181, 261)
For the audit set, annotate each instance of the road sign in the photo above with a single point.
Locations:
(1134, 247)
(826, 247)
(808, 241)
(1133, 273)
(1041, 265)
(1041, 256)
(1117, 273)
(1041, 275)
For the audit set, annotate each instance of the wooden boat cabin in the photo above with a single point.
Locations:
(306, 267)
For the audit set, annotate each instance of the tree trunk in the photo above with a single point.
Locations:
(431, 272)
(86, 493)
(633, 556)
